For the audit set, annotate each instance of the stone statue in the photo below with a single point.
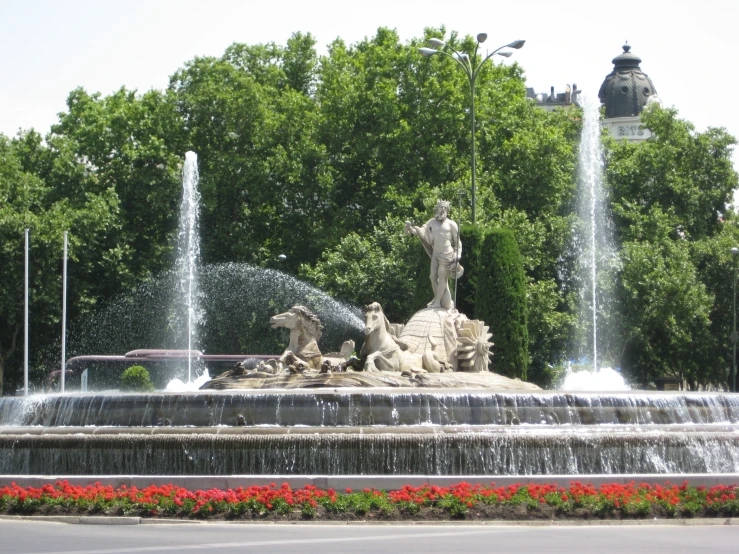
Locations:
(440, 238)
(305, 331)
(380, 351)
(437, 348)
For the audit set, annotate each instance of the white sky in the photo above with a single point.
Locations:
(49, 47)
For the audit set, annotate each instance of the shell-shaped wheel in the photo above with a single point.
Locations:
(473, 346)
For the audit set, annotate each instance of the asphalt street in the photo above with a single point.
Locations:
(35, 537)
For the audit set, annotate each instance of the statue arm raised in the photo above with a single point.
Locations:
(424, 234)
(411, 229)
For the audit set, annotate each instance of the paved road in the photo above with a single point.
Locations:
(33, 537)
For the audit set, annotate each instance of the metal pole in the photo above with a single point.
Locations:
(733, 334)
(64, 311)
(474, 160)
(471, 68)
(25, 320)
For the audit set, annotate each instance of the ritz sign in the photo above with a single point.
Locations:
(631, 131)
(627, 128)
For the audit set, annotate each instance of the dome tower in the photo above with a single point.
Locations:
(625, 92)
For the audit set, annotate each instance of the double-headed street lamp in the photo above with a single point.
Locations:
(471, 68)
(734, 336)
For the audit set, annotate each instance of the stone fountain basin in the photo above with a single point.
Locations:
(369, 451)
(367, 407)
(388, 431)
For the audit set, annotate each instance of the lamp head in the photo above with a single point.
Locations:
(482, 37)
(506, 54)
(428, 51)
(437, 43)
(516, 44)
(734, 251)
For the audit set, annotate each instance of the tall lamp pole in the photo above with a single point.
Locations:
(734, 336)
(471, 67)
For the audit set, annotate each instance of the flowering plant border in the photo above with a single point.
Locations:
(527, 501)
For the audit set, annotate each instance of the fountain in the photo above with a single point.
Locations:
(188, 254)
(311, 418)
(596, 257)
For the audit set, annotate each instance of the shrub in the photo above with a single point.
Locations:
(500, 301)
(136, 379)
(473, 237)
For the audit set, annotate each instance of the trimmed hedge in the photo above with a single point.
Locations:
(473, 237)
(500, 301)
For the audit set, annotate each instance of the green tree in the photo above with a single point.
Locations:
(123, 142)
(668, 195)
(379, 267)
(44, 188)
(300, 63)
(667, 314)
(136, 379)
(678, 177)
(715, 266)
(501, 302)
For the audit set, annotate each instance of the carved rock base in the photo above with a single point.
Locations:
(310, 379)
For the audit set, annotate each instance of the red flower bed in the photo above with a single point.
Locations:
(521, 501)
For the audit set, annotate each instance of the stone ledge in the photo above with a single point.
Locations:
(341, 482)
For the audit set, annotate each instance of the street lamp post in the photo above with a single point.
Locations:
(471, 68)
(734, 336)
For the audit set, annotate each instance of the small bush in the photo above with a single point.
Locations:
(136, 379)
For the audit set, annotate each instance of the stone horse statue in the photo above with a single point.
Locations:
(305, 331)
(380, 352)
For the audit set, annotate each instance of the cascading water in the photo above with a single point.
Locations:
(595, 245)
(188, 253)
(359, 432)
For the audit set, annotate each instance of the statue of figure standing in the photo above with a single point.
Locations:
(440, 238)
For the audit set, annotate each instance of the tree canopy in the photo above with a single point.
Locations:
(321, 158)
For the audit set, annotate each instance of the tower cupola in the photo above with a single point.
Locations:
(627, 88)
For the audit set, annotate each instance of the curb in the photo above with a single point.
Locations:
(75, 520)
(123, 520)
(108, 520)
